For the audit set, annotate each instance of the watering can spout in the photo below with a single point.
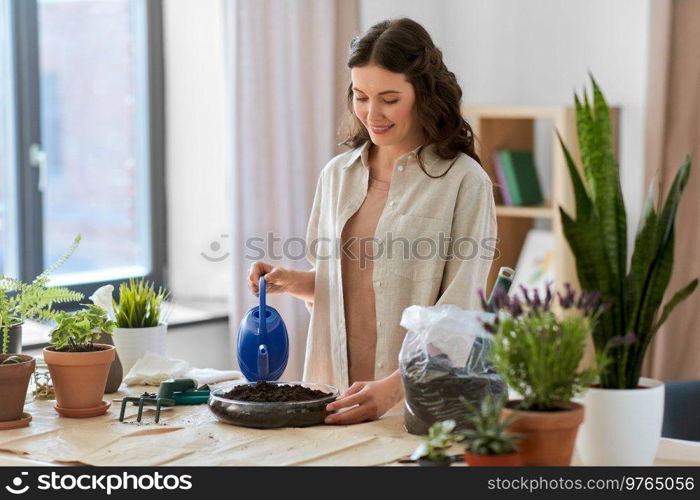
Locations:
(263, 363)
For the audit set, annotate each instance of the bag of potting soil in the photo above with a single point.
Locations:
(445, 356)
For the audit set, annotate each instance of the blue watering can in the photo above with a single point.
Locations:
(263, 346)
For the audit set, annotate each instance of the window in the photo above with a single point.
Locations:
(90, 157)
(8, 241)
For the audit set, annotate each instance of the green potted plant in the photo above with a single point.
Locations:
(487, 442)
(433, 450)
(20, 301)
(79, 366)
(140, 315)
(625, 410)
(538, 353)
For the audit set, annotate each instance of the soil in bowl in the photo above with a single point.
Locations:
(266, 405)
(264, 392)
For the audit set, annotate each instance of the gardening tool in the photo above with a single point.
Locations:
(263, 346)
(175, 391)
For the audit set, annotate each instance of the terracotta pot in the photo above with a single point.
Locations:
(14, 380)
(509, 460)
(550, 436)
(79, 378)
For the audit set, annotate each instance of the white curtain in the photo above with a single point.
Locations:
(285, 63)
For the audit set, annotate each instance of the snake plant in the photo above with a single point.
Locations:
(598, 239)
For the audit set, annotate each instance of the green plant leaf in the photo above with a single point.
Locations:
(584, 207)
(679, 297)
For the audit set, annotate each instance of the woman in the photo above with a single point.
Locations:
(411, 210)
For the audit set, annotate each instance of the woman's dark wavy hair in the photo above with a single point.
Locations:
(404, 46)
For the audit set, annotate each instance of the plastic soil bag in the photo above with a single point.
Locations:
(444, 356)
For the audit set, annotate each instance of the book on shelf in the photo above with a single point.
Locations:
(517, 174)
(501, 178)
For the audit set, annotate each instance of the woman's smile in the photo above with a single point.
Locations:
(377, 130)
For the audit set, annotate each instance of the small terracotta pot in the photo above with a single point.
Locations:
(550, 436)
(14, 381)
(509, 460)
(79, 378)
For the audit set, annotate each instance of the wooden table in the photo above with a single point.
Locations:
(191, 435)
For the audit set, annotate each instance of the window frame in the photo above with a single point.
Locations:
(27, 126)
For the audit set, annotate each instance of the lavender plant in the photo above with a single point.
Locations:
(537, 353)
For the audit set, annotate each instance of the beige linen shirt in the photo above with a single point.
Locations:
(437, 238)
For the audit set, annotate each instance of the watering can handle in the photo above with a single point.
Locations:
(262, 329)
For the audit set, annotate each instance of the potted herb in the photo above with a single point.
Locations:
(20, 301)
(79, 366)
(538, 355)
(433, 450)
(626, 410)
(488, 443)
(140, 318)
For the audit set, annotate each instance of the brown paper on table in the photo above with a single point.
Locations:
(70, 443)
(191, 435)
(214, 443)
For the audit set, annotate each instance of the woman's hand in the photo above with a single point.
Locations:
(299, 284)
(277, 279)
(369, 400)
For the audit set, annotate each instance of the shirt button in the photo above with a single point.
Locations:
(379, 323)
(400, 168)
(380, 365)
(392, 203)
(378, 283)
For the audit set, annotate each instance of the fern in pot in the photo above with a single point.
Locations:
(21, 301)
(140, 314)
(538, 354)
(625, 410)
(78, 364)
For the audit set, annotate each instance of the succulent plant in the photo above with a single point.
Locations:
(488, 435)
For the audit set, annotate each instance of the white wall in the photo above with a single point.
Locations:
(197, 183)
(537, 52)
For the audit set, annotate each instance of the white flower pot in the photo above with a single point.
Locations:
(133, 343)
(622, 426)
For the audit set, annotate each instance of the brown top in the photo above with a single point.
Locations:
(359, 250)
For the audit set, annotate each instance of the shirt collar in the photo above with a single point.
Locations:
(428, 155)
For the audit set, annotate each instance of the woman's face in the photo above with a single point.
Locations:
(385, 104)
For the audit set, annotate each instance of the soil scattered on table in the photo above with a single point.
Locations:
(264, 392)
